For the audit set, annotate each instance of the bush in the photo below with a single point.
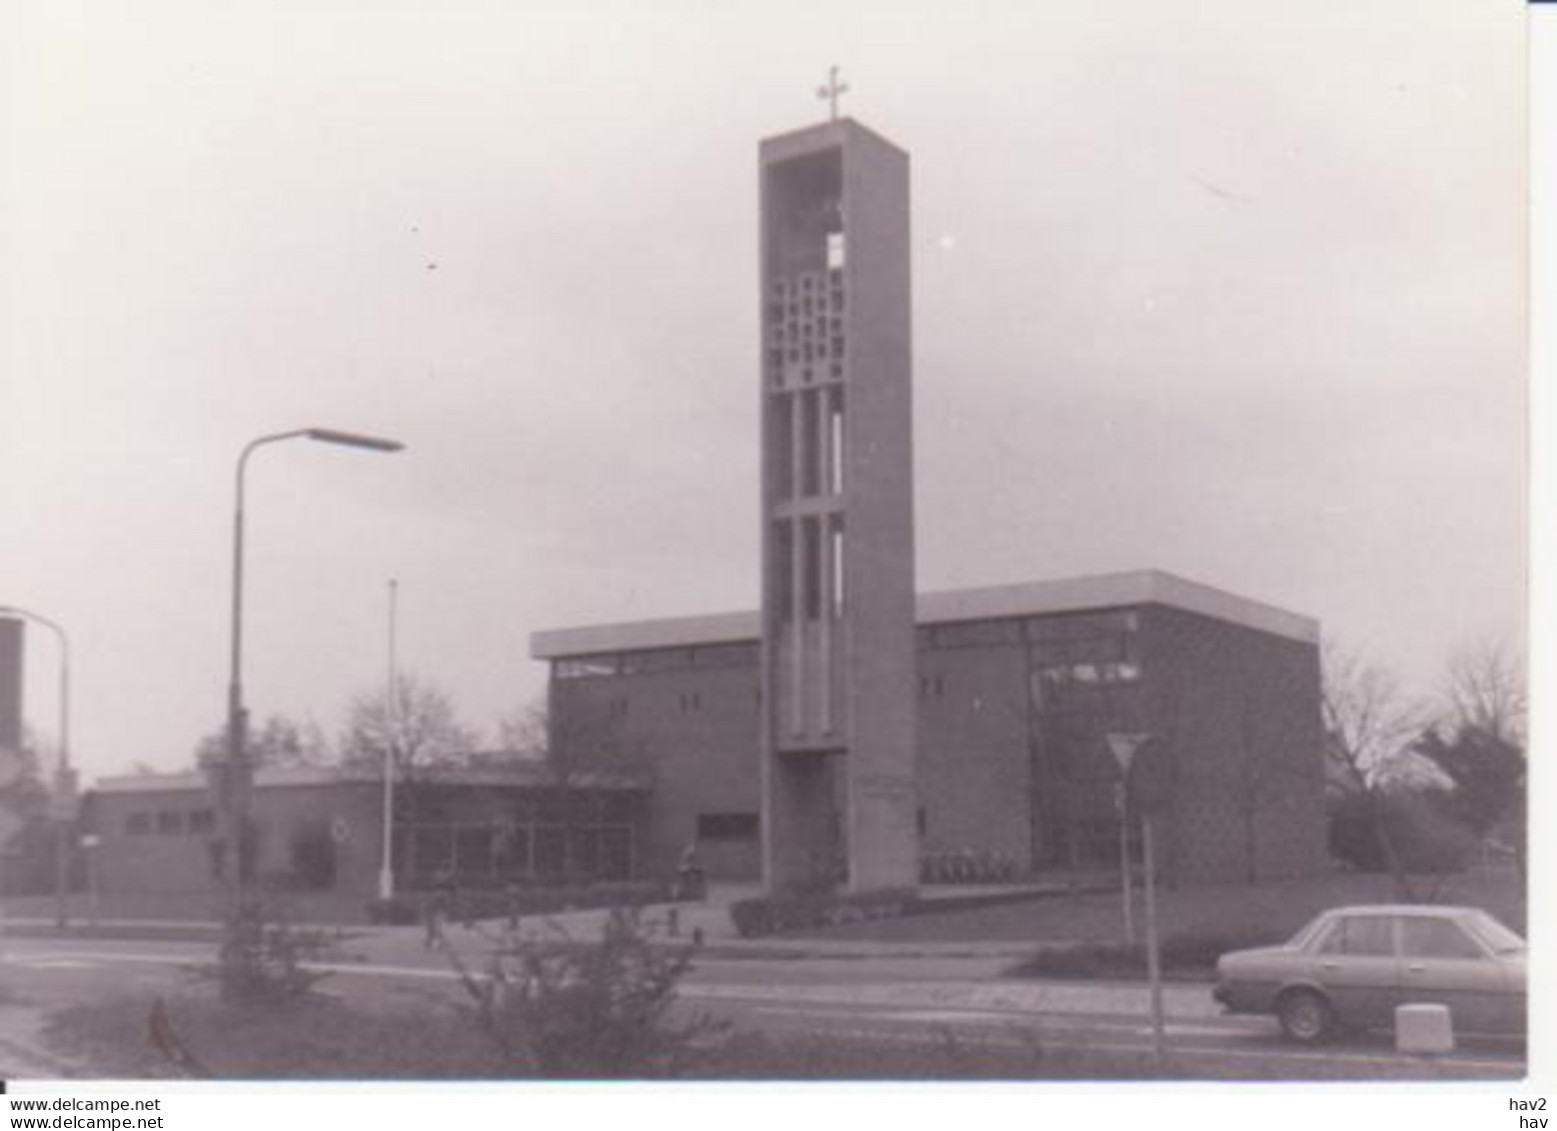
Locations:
(490, 903)
(559, 1009)
(1425, 836)
(771, 915)
(264, 959)
(1187, 953)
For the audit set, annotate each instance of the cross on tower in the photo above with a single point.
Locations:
(831, 92)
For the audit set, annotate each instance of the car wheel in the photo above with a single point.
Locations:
(1304, 1015)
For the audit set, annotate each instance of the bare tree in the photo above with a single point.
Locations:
(1370, 727)
(1480, 745)
(1370, 724)
(417, 723)
(1485, 691)
(521, 733)
(279, 742)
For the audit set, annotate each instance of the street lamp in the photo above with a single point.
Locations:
(234, 779)
(64, 776)
(386, 873)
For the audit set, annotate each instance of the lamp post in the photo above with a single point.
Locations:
(233, 781)
(386, 875)
(64, 775)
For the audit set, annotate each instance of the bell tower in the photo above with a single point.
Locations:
(838, 656)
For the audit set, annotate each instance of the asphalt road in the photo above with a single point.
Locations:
(869, 999)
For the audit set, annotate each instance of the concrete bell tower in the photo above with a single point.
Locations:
(839, 802)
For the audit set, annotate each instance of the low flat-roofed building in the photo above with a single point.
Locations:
(319, 830)
(1017, 688)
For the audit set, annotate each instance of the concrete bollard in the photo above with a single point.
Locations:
(1423, 1029)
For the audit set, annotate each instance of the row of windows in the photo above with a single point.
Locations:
(1101, 638)
(420, 804)
(1064, 689)
(806, 330)
(809, 353)
(170, 822)
(1067, 636)
(657, 660)
(527, 851)
(803, 373)
(806, 283)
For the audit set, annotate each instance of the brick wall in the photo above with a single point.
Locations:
(1240, 708)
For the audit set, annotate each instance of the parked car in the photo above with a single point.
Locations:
(1352, 966)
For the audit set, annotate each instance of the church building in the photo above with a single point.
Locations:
(1017, 688)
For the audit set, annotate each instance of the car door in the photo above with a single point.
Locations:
(1443, 964)
(1356, 965)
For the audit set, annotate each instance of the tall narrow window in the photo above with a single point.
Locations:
(810, 445)
(783, 566)
(835, 441)
(834, 251)
(781, 449)
(811, 582)
(835, 558)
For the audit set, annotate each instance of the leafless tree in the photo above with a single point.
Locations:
(1485, 691)
(521, 734)
(417, 723)
(1370, 726)
(1481, 743)
(278, 742)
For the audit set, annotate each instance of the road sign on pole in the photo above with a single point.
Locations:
(1153, 958)
(1123, 748)
(1143, 765)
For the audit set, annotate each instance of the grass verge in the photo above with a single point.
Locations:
(325, 1039)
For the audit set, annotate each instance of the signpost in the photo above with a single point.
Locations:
(1122, 807)
(1143, 764)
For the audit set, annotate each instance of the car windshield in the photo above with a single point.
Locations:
(1310, 929)
(1494, 934)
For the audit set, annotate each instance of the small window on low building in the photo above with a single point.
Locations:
(137, 824)
(170, 822)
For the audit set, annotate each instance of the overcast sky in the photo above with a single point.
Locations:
(1224, 289)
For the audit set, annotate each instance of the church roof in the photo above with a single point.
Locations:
(1033, 598)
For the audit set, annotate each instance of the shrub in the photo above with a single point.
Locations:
(1185, 953)
(556, 1008)
(1425, 836)
(473, 904)
(263, 958)
(775, 914)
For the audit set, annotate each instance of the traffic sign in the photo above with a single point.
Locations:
(1124, 747)
(1145, 768)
